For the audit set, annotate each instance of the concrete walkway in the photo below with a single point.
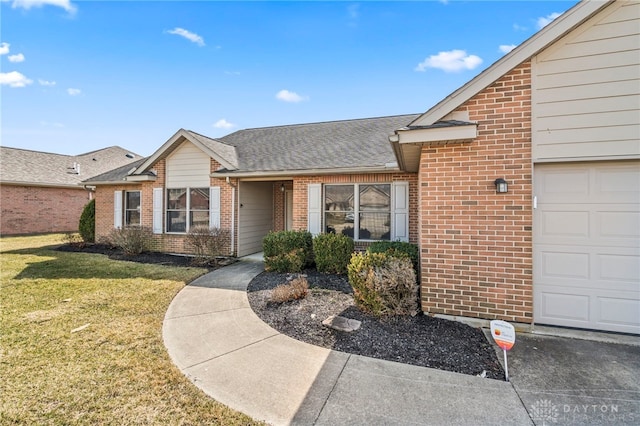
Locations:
(216, 340)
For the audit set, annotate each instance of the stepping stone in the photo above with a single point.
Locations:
(341, 323)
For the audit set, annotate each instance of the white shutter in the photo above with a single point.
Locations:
(314, 208)
(214, 207)
(158, 196)
(117, 209)
(400, 211)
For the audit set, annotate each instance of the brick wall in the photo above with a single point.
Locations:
(476, 245)
(34, 210)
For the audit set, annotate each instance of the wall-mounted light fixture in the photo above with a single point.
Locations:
(282, 187)
(501, 186)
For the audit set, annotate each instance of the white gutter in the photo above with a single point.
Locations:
(306, 172)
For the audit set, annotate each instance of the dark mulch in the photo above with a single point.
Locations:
(155, 258)
(421, 340)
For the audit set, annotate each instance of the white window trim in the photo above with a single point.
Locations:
(356, 210)
(214, 207)
(124, 207)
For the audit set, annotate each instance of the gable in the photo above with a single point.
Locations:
(187, 166)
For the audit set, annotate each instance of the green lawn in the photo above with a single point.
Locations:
(115, 369)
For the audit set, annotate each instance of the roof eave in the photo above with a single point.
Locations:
(305, 172)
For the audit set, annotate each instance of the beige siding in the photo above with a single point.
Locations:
(255, 215)
(586, 90)
(188, 166)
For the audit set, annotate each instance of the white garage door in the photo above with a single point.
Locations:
(587, 245)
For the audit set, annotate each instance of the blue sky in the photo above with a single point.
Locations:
(82, 75)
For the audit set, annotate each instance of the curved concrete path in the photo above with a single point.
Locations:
(218, 342)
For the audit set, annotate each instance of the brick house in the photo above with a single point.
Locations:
(41, 192)
(557, 120)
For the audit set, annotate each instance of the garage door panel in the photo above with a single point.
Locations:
(566, 307)
(587, 245)
(618, 225)
(619, 313)
(564, 265)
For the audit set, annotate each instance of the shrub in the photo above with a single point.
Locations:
(294, 290)
(396, 247)
(287, 251)
(73, 239)
(87, 225)
(131, 240)
(383, 284)
(332, 252)
(207, 243)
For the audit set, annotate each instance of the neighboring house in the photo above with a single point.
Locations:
(558, 119)
(41, 192)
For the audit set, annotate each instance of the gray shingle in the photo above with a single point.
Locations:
(359, 143)
(43, 168)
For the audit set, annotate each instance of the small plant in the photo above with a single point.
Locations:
(132, 240)
(73, 239)
(383, 284)
(207, 244)
(394, 248)
(332, 252)
(293, 290)
(288, 251)
(87, 224)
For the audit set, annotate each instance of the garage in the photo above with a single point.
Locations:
(587, 245)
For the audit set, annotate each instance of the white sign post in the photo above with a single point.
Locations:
(505, 336)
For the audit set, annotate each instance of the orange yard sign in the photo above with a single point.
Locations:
(503, 333)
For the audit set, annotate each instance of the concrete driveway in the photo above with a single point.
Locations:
(567, 381)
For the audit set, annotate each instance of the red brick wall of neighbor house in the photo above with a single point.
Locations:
(300, 194)
(476, 245)
(35, 210)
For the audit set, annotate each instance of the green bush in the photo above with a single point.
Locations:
(87, 225)
(332, 252)
(397, 247)
(287, 251)
(131, 240)
(383, 284)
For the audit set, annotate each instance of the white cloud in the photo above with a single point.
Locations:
(50, 124)
(28, 4)
(546, 20)
(518, 27)
(16, 58)
(506, 48)
(4, 48)
(46, 83)
(223, 124)
(451, 61)
(73, 92)
(287, 96)
(14, 79)
(193, 37)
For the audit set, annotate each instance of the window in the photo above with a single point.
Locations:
(132, 208)
(183, 203)
(360, 211)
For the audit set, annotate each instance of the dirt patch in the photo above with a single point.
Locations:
(420, 340)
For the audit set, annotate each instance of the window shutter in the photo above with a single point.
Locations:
(117, 209)
(314, 208)
(214, 207)
(400, 212)
(158, 196)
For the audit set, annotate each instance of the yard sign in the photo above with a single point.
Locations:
(505, 336)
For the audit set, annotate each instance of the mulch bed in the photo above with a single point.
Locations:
(420, 340)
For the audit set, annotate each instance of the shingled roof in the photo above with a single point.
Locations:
(348, 144)
(25, 167)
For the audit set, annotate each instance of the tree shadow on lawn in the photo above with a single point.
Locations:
(59, 262)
